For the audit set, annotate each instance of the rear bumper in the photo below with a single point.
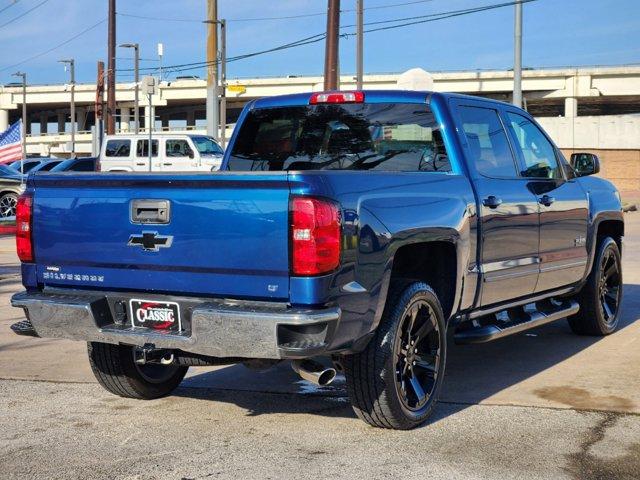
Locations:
(216, 328)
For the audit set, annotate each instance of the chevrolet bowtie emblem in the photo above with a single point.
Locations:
(150, 241)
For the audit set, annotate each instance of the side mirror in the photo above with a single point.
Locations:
(191, 154)
(585, 164)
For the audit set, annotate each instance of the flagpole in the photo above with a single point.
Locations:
(23, 130)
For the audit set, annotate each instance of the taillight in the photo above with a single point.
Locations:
(24, 211)
(315, 236)
(336, 97)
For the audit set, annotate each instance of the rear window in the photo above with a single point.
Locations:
(118, 148)
(391, 137)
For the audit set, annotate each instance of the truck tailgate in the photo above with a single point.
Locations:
(227, 233)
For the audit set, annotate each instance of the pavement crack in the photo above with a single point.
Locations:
(585, 464)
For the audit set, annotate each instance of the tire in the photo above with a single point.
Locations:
(8, 202)
(115, 369)
(600, 297)
(379, 382)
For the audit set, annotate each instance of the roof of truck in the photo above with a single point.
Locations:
(371, 96)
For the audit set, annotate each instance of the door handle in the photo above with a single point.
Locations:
(141, 164)
(546, 200)
(167, 164)
(492, 201)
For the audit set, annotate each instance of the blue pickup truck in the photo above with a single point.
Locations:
(356, 226)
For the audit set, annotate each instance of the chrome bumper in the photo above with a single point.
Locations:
(217, 328)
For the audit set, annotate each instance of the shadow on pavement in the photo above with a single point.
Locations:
(474, 373)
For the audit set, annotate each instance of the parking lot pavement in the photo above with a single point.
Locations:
(545, 403)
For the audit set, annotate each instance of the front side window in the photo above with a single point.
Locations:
(207, 145)
(178, 148)
(487, 141)
(142, 150)
(118, 148)
(537, 152)
(389, 137)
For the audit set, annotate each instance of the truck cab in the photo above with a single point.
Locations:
(169, 152)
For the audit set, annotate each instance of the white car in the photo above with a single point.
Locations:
(170, 153)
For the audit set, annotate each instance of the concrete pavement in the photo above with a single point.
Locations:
(545, 403)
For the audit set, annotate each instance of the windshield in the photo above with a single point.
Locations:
(4, 170)
(207, 146)
(391, 137)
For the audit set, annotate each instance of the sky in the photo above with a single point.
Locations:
(555, 33)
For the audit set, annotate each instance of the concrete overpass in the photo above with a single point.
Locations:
(595, 108)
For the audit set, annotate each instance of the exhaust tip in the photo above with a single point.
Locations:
(327, 377)
(314, 372)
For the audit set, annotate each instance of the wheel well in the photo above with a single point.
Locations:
(613, 229)
(431, 262)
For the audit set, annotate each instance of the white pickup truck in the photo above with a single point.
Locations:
(170, 153)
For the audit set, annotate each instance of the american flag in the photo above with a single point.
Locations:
(11, 143)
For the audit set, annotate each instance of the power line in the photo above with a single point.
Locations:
(303, 41)
(439, 16)
(321, 36)
(260, 19)
(9, 6)
(69, 40)
(22, 14)
(445, 16)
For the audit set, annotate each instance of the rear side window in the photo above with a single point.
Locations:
(390, 137)
(83, 166)
(537, 152)
(142, 150)
(487, 141)
(118, 148)
(178, 148)
(48, 166)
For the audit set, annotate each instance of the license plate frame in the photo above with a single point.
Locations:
(160, 321)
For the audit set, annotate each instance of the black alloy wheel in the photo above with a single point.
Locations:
(601, 296)
(610, 286)
(417, 350)
(395, 381)
(8, 203)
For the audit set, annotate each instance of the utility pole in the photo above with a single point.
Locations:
(72, 70)
(111, 69)
(359, 43)
(212, 70)
(331, 46)
(517, 57)
(149, 87)
(136, 79)
(99, 107)
(223, 82)
(24, 117)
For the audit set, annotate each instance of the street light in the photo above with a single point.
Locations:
(136, 68)
(24, 116)
(71, 63)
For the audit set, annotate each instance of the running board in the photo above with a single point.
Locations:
(547, 313)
